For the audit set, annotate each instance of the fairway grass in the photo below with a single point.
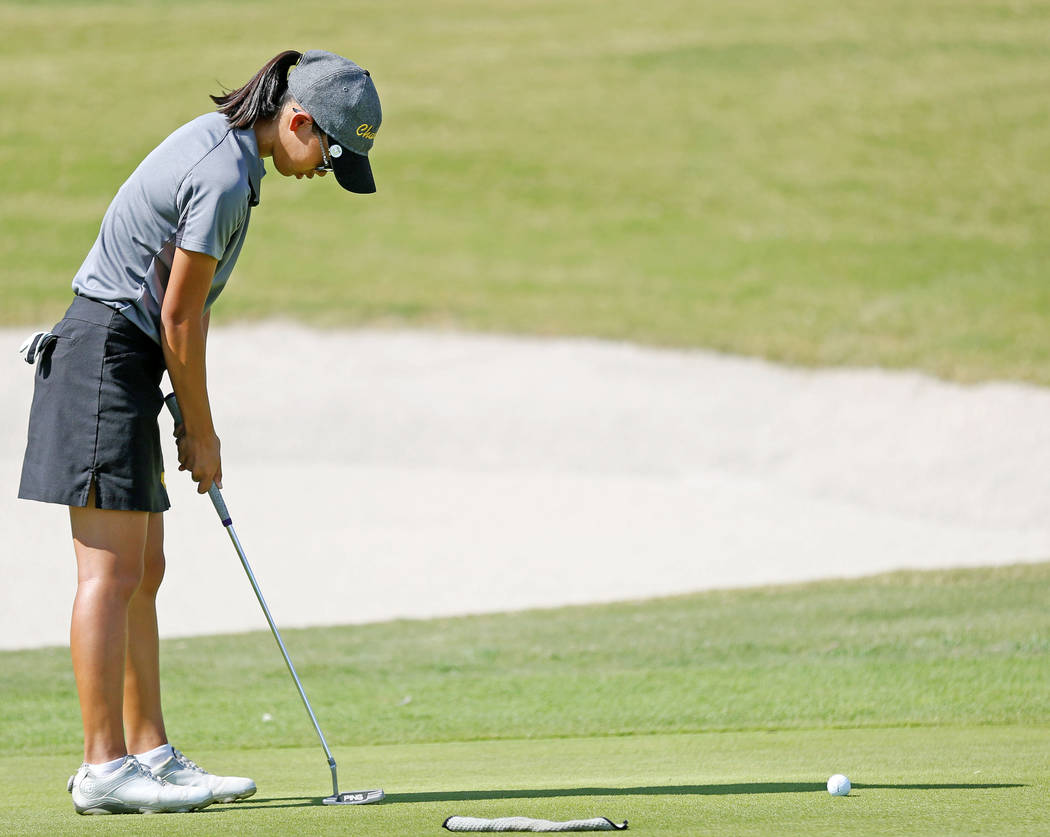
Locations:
(715, 713)
(812, 181)
(943, 781)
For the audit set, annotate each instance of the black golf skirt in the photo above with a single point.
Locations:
(94, 416)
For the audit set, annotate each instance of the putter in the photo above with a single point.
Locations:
(337, 797)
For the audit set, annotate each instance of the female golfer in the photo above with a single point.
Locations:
(166, 248)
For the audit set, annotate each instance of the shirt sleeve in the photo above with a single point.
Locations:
(212, 207)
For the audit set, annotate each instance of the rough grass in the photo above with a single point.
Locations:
(817, 182)
(913, 648)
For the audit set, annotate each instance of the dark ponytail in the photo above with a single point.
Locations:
(261, 97)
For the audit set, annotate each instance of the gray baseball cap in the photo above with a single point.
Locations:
(342, 99)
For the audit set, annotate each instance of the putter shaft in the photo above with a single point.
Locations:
(276, 635)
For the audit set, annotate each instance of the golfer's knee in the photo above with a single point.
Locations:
(152, 572)
(117, 584)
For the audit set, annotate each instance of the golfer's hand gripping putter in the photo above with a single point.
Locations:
(337, 798)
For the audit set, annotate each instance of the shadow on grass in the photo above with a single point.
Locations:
(671, 790)
(651, 790)
(257, 804)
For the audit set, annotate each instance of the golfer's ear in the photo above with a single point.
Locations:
(298, 120)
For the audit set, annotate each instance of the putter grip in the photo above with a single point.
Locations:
(213, 492)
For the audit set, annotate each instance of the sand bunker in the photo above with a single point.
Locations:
(374, 475)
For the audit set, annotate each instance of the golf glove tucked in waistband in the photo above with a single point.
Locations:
(35, 344)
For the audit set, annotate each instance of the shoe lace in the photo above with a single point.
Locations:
(185, 762)
(145, 771)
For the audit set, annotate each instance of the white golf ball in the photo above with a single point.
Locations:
(838, 785)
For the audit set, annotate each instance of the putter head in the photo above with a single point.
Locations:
(354, 797)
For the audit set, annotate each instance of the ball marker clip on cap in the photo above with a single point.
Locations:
(342, 99)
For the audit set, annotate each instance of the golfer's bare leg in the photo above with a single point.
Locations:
(143, 717)
(109, 546)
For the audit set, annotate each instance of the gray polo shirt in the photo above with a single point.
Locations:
(195, 191)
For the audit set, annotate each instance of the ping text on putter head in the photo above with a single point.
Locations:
(337, 798)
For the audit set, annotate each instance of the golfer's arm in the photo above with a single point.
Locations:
(183, 334)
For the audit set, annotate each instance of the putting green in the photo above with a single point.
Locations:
(958, 780)
(716, 713)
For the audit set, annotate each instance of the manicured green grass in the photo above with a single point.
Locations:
(927, 781)
(816, 181)
(717, 713)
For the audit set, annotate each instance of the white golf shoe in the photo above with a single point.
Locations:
(132, 789)
(179, 770)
